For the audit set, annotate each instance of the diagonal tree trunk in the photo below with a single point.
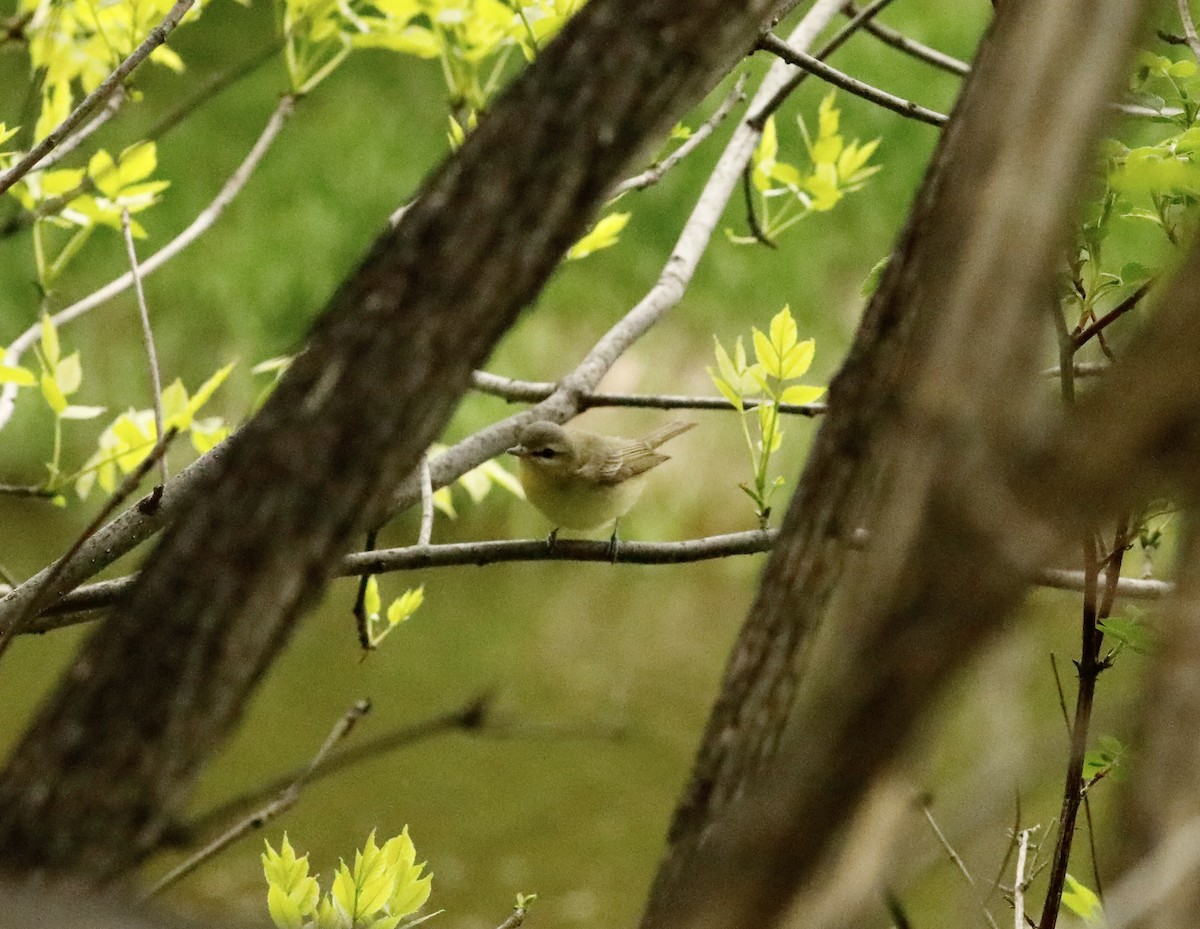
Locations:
(842, 651)
(98, 778)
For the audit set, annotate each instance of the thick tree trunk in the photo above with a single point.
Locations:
(108, 763)
(939, 390)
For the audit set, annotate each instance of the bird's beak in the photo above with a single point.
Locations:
(519, 450)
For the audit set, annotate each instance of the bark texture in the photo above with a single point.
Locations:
(107, 765)
(939, 390)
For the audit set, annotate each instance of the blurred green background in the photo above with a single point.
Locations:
(601, 676)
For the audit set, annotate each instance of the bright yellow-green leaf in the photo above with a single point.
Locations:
(371, 600)
(51, 351)
(602, 235)
(476, 483)
(1082, 901)
(726, 391)
(783, 331)
(68, 374)
(502, 476)
(175, 409)
(56, 107)
(205, 391)
(765, 352)
(52, 394)
(725, 364)
(800, 394)
(443, 500)
(764, 156)
(828, 116)
(404, 606)
(166, 56)
(797, 360)
(284, 911)
(15, 374)
(207, 433)
(82, 412)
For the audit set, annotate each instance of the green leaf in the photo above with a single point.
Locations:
(82, 412)
(404, 606)
(1082, 901)
(476, 483)
(1129, 632)
(727, 392)
(53, 394)
(783, 331)
(443, 500)
(205, 391)
(68, 374)
(797, 360)
(800, 394)
(371, 600)
(51, 351)
(15, 374)
(503, 477)
(765, 352)
(602, 235)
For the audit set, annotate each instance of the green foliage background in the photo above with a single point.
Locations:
(602, 676)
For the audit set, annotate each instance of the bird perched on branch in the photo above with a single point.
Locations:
(581, 480)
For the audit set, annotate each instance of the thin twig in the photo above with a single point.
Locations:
(776, 46)
(515, 919)
(68, 145)
(472, 716)
(27, 490)
(1020, 880)
(945, 843)
(898, 40)
(1189, 27)
(213, 87)
(157, 36)
(536, 391)
(655, 172)
(147, 339)
(362, 622)
(860, 19)
(283, 802)
(756, 230)
(1089, 668)
(425, 533)
(1112, 315)
(203, 221)
(37, 595)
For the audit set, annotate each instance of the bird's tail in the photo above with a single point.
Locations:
(665, 433)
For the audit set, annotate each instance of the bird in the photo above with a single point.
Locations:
(583, 480)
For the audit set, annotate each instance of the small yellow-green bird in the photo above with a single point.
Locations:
(581, 480)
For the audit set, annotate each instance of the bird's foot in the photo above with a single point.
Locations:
(612, 546)
(551, 540)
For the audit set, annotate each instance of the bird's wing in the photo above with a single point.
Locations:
(627, 460)
(665, 433)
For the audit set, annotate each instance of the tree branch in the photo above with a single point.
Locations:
(776, 46)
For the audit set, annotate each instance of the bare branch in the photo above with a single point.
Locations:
(655, 173)
(535, 391)
(37, 590)
(280, 804)
(900, 41)
(147, 340)
(776, 46)
(1189, 27)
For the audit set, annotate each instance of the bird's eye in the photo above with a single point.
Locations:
(545, 453)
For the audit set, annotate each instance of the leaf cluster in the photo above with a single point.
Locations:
(383, 886)
(757, 390)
